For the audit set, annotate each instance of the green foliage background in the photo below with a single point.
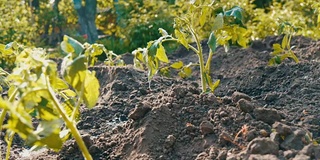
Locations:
(130, 24)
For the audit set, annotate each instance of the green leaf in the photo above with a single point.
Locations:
(70, 45)
(47, 135)
(237, 12)
(91, 90)
(181, 38)
(218, 22)
(161, 54)
(212, 42)
(177, 65)
(12, 45)
(152, 48)
(76, 72)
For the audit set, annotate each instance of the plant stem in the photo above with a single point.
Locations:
(3, 115)
(69, 123)
(208, 64)
(9, 145)
(201, 61)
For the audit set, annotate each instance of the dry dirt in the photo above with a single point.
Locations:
(257, 112)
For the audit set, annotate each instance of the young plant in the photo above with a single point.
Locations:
(227, 28)
(37, 92)
(284, 50)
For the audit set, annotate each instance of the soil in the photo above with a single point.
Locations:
(257, 112)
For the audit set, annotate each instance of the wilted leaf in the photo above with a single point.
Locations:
(163, 32)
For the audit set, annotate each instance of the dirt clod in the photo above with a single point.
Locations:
(206, 127)
(245, 105)
(236, 96)
(139, 111)
(267, 115)
(262, 146)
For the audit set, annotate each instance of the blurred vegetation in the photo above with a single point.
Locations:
(128, 24)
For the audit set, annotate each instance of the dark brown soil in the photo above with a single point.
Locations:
(258, 111)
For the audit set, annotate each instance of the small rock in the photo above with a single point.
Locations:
(263, 133)
(223, 114)
(190, 127)
(169, 142)
(311, 150)
(139, 111)
(288, 154)
(202, 156)
(87, 139)
(206, 127)
(224, 138)
(294, 140)
(94, 149)
(270, 97)
(317, 152)
(213, 152)
(262, 157)
(301, 157)
(236, 96)
(267, 115)
(282, 129)
(222, 155)
(251, 135)
(262, 146)
(226, 100)
(275, 137)
(245, 106)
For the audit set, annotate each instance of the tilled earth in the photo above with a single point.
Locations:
(257, 112)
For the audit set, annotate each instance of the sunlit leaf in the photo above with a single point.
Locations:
(91, 90)
(203, 16)
(181, 38)
(177, 65)
(285, 41)
(161, 54)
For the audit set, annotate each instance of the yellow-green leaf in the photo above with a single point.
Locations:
(203, 16)
(177, 65)
(91, 89)
(181, 38)
(285, 41)
(161, 54)
(69, 93)
(214, 86)
(187, 71)
(66, 47)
